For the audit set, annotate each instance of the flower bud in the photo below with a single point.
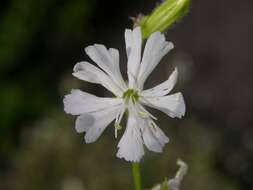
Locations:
(163, 16)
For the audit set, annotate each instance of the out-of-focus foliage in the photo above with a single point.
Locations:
(40, 41)
(31, 34)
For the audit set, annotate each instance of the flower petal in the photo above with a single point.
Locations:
(131, 144)
(153, 137)
(108, 60)
(79, 102)
(133, 41)
(163, 88)
(90, 73)
(159, 134)
(173, 105)
(95, 123)
(156, 47)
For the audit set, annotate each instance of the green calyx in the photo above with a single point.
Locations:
(131, 94)
(163, 16)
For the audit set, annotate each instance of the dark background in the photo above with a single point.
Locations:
(41, 40)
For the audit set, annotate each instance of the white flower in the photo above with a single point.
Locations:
(96, 113)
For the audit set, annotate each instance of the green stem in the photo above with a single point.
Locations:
(136, 175)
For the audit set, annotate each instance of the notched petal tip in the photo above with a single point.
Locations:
(67, 103)
(78, 66)
(128, 30)
(168, 46)
(175, 71)
(86, 49)
(84, 122)
(128, 159)
(171, 45)
(181, 108)
(137, 30)
(87, 72)
(94, 50)
(157, 35)
(70, 101)
(88, 139)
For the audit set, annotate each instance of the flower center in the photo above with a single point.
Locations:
(131, 94)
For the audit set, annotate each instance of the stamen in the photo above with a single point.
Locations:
(132, 95)
(117, 127)
(118, 119)
(153, 124)
(143, 114)
(147, 114)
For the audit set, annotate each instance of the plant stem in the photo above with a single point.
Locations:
(136, 175)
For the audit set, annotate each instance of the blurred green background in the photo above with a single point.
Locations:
(41, 40)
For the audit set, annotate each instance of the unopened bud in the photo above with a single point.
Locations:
(163, 16)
